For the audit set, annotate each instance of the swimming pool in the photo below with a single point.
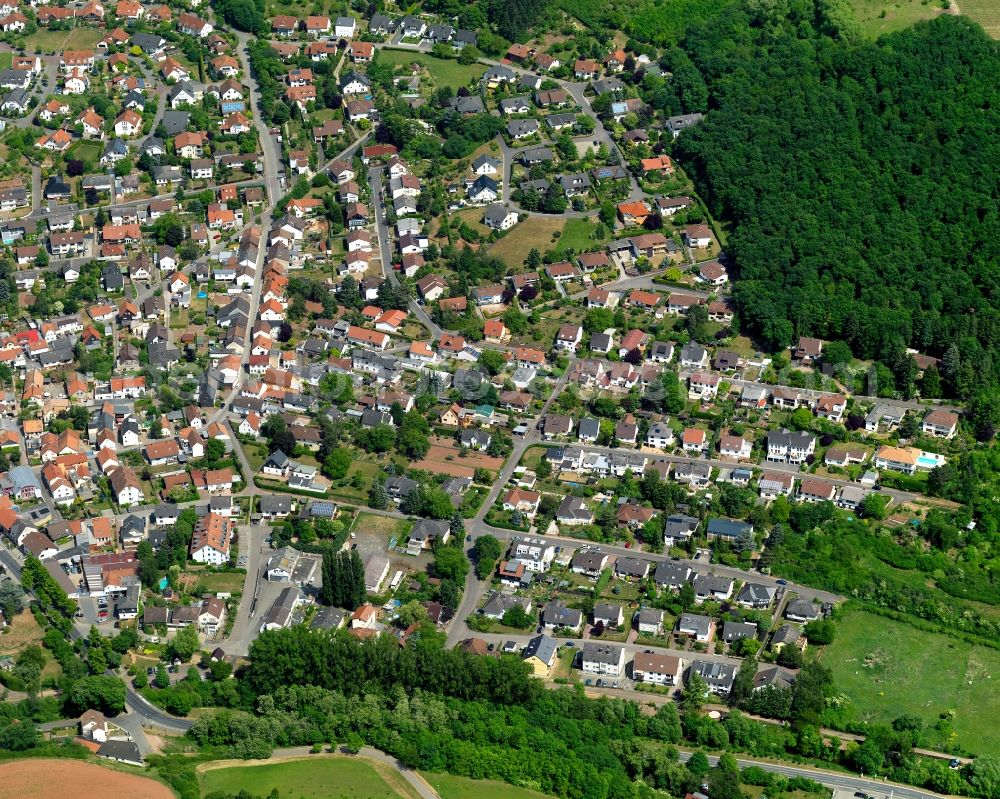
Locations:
(929, 460)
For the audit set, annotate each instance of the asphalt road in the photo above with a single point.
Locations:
(880, 789)
(258, 593)
(151, 715)
(385, 249)
(475, 588)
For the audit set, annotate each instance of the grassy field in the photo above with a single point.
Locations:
(473, 217)
(986, 13)
(576, 235)
(536, 231)
(889, 669)
(317, 778)
(884, 16)
(452, 787)
(297, 8)
(443, 71)
(23, 631)
(47, 41)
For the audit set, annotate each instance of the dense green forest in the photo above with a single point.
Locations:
(860, 181)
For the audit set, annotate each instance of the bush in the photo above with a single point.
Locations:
(820, 632)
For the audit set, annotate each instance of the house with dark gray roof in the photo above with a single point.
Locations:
(536, 155)
(590, 562)
(175, 122)
(632, 568)
(773, 677)
(497, 604)
(801, 610)
(609, 615)
(589, 430)
(121, 752)
(151, 44)
(327, 618)
(679, 527)
(573, 510)
(468, 105)
(607, 86)
(682, 122)
(556, 616)
(600, 658)
(755, 595)
(786, 634)
(712, 587)
(719, 677)
(425, 533)
(522, 128)
(733, 631)
(698, 627)
(275, 506)
(670, 574)
(543, 649)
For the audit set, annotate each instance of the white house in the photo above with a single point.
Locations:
(500, 217)
(211, 539)
(603, 659)
(656, 669)
(345, 27)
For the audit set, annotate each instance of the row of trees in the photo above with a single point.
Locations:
(343, 579)
(299, 656)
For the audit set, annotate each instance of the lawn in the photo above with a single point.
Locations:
(888, 669)
(84, 150)
(256, 455)
(315, 778)
(5, 60)
(985, 12)
(347, 493)
(576, 235)
(386, 527)
(218, 582)
(452, 787)
(56, 41)
(179, 318)
(884, 16)
(473, 217)
(443, 71)
(22, 632)
(535, 231)
(543, 334)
